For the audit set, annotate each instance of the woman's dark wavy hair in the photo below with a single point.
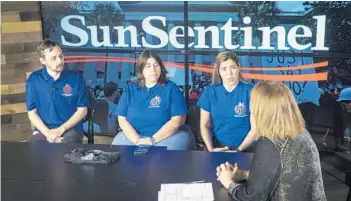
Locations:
(144, 56)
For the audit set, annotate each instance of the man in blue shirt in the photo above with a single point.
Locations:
(56, 98)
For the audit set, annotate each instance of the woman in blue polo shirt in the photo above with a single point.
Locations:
(226, 102)
(152, 110)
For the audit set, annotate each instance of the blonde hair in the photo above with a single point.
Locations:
(275, 111)
(46, 44)
(222, 57)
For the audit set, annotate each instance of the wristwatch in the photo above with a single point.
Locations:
(152, 140)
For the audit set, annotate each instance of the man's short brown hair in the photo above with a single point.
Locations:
(110, 88)
(46, 44)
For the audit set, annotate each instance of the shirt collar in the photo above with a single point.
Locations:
(46, 74)
(225, 90)
(48, 77)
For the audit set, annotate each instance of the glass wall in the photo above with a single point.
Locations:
(305, 45)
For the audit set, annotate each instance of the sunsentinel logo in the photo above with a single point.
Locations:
(209, 69)
(291, 36)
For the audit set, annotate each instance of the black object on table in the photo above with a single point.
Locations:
(38, 172)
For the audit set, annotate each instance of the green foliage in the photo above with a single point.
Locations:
(262, 13)
(338, 34)
(54, 11)
(106, 14)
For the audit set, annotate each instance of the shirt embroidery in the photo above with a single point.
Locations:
(155, 102)
(67, 90)
(240, 110)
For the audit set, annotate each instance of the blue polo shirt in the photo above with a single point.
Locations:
(56, 101)
(148, 109)
(229, 111)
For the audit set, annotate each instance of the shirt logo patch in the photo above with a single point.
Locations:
(155, 102)
(240, 110)
(67, 90)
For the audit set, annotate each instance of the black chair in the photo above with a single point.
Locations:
(99, 115)
(320, 122)
(193, 120)
(88, 118)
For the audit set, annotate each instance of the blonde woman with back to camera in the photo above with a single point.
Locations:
(286, 163)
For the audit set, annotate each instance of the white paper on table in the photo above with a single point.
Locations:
(186, 192)
(161, 197)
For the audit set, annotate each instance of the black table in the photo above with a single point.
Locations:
(38, 172)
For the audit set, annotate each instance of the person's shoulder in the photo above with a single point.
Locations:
(132, 85)
(73, 73)
(209, 90)
(35, 74)
(111, 104)
(169, 84)
(304, 138)
(267, 154)
(246, 86)
(212, 87)
(271, 145)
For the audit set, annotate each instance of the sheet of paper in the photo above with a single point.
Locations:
(186, 192)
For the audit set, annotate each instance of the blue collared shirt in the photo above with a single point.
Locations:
(229, 111)
(148, 109)
(56, 101)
